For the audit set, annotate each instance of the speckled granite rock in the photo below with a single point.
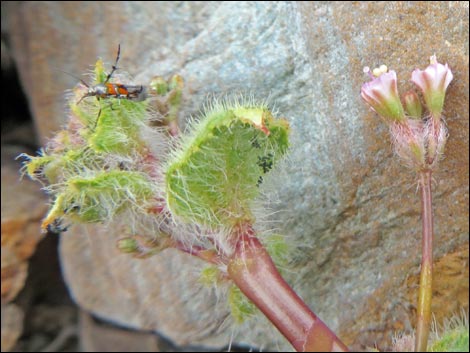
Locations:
(345, 201)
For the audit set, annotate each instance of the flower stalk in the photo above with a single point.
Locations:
(419, 141)
(425, 283)
(253, 271)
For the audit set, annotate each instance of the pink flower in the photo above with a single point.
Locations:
(433, 81)
(382, 95)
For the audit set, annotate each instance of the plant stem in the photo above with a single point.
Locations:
(208, 255)
(425, 285)
(253, 271)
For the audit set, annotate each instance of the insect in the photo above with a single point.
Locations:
(115, 90)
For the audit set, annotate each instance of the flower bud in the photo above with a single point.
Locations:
(382, 95)
(413, 106)
(433, 82)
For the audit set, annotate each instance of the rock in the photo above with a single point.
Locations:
(14, 273)
(345, 201)
(12, 325)
(96, 337)
(23, 206)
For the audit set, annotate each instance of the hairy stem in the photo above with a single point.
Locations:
(208, 255)
(425, 285)
(253, 271)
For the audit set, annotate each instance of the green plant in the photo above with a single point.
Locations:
(112, 162)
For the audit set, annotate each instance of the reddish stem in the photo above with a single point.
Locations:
(253, 271)
(425, 285)
(208, 255)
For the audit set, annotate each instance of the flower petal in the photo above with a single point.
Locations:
(433, 82)
(382, 95)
